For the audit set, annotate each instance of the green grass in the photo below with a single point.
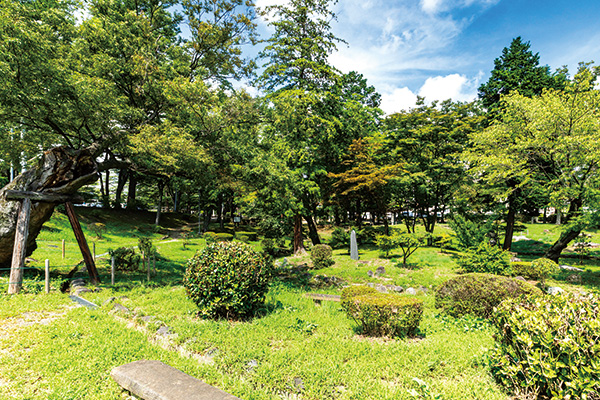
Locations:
(70, 354)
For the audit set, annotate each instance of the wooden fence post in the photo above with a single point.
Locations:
(47, 268)
(63, 249)
(112, 271)
(18, 259)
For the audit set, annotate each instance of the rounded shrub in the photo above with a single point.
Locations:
(228, 280)
(252, 236)
(321, 256)
(486, 259)
(125, 259)
(382, 314)
(339, 238)
(548, 346)
(224, 237)
(478, 294)
(539, 269)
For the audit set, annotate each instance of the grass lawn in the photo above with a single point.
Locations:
(50, 349)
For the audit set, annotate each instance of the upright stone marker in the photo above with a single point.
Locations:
(353, 246)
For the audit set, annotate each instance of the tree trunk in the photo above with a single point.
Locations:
(106, 199)
(60, 171)
(161, 186)
(131, 191)
(510, 228)
(386, 225)
(298, 240)
(313, 234)
(123, 175)
(567, 237)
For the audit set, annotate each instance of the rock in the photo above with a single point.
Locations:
(109, 300)
(515, 259)
(412, 291)
(121, 308)
(78, 282)
(147, 318)
(251, 365)
(398, 289)
(423, 289)
(519, 278)
(381, 289)
(555, 290)
(574, 278)
(298, 384)
(163, 330)
(371, 285)
(380, 271)
(79, 289)
(569, 268)
(370, 273)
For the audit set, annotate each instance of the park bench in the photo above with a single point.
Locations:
(319, 297)
(154, 380)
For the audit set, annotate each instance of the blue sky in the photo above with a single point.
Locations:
(446, 48)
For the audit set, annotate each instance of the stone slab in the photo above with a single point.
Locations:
(320, 296)
(154, 380)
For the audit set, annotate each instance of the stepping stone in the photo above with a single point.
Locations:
(154, 380)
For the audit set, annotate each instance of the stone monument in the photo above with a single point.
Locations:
(353, 246)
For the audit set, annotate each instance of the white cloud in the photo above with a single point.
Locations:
(398, 99)
(456, 87)
(431, 6)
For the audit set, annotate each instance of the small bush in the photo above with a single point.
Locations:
(487, 259)
(228, 280)
(382, 314)
(386, 244)
(339, 238)
(98, 229)
(321, 256)
(548, 346)
(125, 259)
(242, 238)
(478, 294)
(252, 236)
(223, 237)
(209, 237)
(539, 269)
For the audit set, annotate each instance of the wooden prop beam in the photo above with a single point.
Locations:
(83, 246)
(18, 259)
(43, 197)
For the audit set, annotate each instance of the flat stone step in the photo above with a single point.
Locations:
(154, 380)
(318, 297)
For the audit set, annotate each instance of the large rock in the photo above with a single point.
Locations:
(59, 171)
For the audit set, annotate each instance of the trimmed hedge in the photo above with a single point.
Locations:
(252, 236)
(321, 256)
(224, 237)
(539, 269)
(382, 314)
(478, 294)
(548, 346)
(228, 280)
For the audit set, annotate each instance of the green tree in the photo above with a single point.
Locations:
(296, 77)
(518, 69)
(549, 143)
(429, 139)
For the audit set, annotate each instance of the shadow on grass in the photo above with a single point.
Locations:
(530, 247)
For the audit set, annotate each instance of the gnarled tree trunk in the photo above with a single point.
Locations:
(59, 171)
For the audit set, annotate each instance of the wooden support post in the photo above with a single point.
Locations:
(94, 251)
(18, 259)
(47, 269)
(112, 271)
(83, 246)
(154, 263)
(63, 249)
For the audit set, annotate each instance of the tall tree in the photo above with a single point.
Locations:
(517, 70)
(296, 77)
(550, 143)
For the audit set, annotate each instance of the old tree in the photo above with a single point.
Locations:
(86, 83)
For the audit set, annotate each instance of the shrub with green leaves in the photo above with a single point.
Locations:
(228, 280)
(539, 269)
(252, 236)
(469, 232)
(339, 238)
(478, 294)
(224, 237)
(274, 247)
(209, 237)
(382, 314)
(386, 243)
(321, 256)
(548, 346)
(125, 259)
(487, 259)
